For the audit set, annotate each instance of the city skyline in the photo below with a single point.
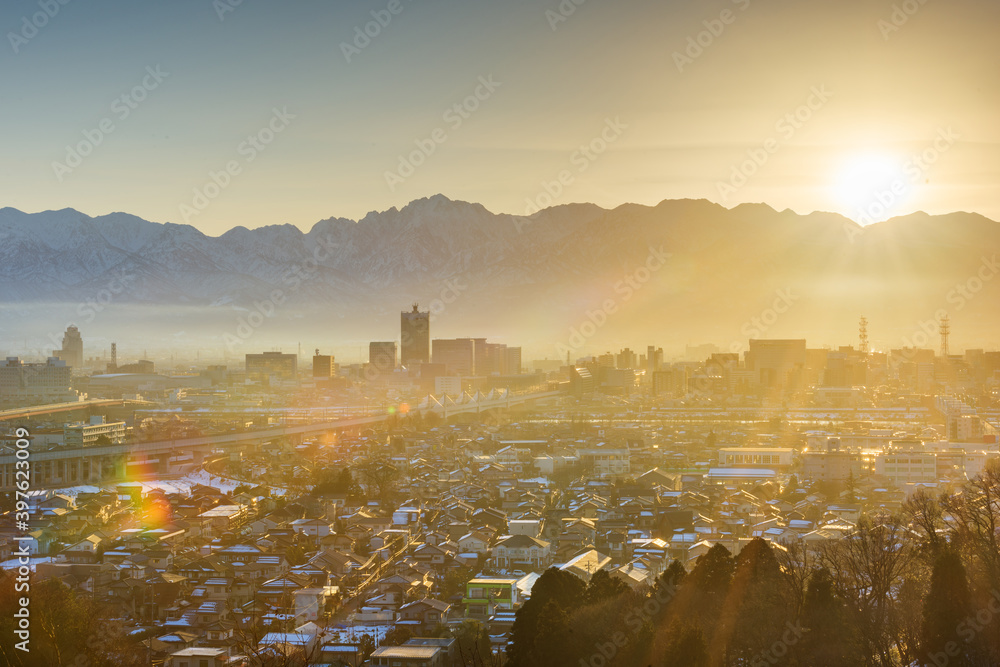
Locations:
(535, 333)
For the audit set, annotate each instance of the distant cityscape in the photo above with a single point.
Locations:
(383, 511)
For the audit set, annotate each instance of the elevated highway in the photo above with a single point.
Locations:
(89, 465)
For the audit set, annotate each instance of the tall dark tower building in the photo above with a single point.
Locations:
(72, 348)
(415, 337)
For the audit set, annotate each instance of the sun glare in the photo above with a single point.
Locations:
(870, 187)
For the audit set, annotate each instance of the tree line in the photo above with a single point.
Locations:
(918, 587)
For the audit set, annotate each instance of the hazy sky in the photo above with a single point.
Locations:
(673, 97)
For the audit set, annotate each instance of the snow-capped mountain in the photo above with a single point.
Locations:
(546, 273)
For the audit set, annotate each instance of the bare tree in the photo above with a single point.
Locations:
(975, 515)
(379, 476)
(927, 517)
(798, 563)
(868, 566)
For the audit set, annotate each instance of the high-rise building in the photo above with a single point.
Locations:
(382, 356)
(322, 366)
(496, 358)
(457, 355)
(415, 337)
(512, 364)
(654, 358)
(626, 359)
(484, 357)
(774, 360)
(35, 384)
(273, 363)
(72, 348)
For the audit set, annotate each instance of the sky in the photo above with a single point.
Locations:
(220, 113)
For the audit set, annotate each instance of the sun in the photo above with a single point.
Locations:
(870, 187)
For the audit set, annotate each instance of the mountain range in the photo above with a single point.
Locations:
(575, 278)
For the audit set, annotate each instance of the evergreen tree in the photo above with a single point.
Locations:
(705, 589)
(948, 602)
(602, 587)
(554, 641)
(851, 487)
(828, 640)
(757, 611)
(673, 576)
(397, 636)
(538, 618)
(686, 646)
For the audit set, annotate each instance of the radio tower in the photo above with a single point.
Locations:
(945, 330)
(863, 335)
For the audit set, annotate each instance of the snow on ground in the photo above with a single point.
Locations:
(340, 634)
(181, 485)
(14, 563)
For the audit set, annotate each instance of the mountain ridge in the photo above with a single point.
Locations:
(543, 273)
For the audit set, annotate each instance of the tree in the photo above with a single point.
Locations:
(473, 642)
(366, 646)
(947, 603)
(379, 476)
(673, 576)
(757, 610)
(295, 555)
(791, 487)
(828, 640)
(554, 646)
(851, 487)
(867, 567)
(397, 636)
(925, 513)
(705, 589)
(543, 614)
(976, 516)
(686, 646)
(67, 628)
(330, 481)
(453, 582)
(603, 586)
